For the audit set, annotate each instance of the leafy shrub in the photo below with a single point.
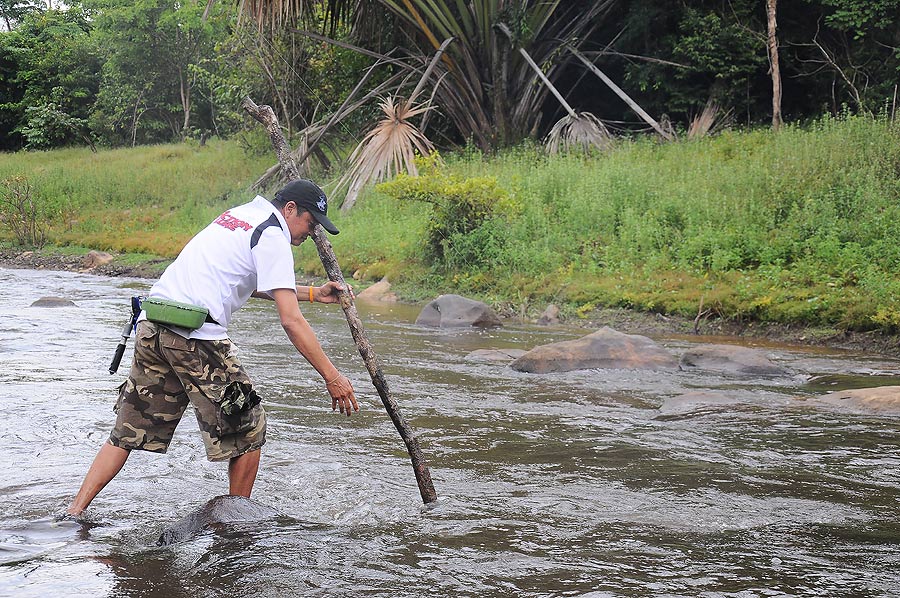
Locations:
(21, 213)
(49, 126)
(465, 226)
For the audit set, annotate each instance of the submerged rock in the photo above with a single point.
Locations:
(691, 401)
(731, 359)
(454, 311)
(550, 316)
(53, 302)
(606, 348)
(219, 510)
(881, 400)
(495, 355)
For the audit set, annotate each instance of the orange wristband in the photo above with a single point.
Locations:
(311, 300)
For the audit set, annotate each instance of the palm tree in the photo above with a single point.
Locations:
(487, 89)
(491, 64)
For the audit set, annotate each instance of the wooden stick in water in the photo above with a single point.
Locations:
(266, 116)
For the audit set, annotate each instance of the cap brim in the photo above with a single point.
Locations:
(326, 223)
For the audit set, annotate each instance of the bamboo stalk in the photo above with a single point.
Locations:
(266, 116)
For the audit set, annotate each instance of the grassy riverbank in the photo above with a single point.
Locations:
(800, 228)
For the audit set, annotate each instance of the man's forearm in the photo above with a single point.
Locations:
(303, 294)
(304, 340)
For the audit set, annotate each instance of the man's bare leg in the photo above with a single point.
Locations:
(242, 473)
(106, 465)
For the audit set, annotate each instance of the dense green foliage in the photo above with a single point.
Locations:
(123, 72)
(119, 72)
(49, 70)
(832, 53)
(150, 51)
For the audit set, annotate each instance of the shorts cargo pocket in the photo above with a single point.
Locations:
(170, 340)
(121, 391)
(181, 353)
(239, 423)
(238, 411)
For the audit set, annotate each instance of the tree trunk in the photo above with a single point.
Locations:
(135, 117)
(185, 102)
(771, 9)
(499, 90)
(266, 116)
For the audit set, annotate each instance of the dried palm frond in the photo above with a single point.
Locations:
(581, 131)
(576, 130)
(710, 119)
(387, 149)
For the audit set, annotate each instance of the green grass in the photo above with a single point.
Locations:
(799, 227)
(796, 227)
(144, 200)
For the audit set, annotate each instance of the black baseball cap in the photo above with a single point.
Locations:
(309, 196)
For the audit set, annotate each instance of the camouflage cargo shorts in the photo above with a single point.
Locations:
(170, 371)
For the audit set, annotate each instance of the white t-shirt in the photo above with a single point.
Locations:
(248, 248)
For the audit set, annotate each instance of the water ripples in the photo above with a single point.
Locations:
(593, 483)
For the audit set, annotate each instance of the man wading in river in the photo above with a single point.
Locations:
(245, 252)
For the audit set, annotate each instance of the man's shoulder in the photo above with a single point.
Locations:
(257, 210)
(246, 217)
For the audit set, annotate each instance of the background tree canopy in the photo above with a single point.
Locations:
(123, 72)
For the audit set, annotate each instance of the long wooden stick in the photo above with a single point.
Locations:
(266, 116)
(624, 96)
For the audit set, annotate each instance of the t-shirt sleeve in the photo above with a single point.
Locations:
(274, 261)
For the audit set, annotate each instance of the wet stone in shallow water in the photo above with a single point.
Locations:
(606, 349)
(53, 302)
(881, 400)
(731, 359)
(221, 509)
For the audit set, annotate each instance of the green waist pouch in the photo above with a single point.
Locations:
(175, 313)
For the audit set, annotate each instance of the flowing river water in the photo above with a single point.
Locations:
(575, 484)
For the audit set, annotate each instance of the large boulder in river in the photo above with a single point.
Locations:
(881, 400)
(453, 311)
(218, 511)
(731, 359)
(95, 258)
(380, 291)
(606, 348)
